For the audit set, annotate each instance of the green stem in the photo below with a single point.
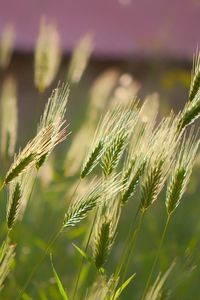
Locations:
(82, 261)
(131, 247)
(124, 252)
(156, 258)
(128, 249)
(52, 240)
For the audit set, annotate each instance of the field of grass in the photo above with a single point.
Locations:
(113, 211)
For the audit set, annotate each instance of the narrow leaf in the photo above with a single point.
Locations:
(123, 286)
(58, 282)
(82, 253)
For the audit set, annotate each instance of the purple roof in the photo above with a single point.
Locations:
(119, 27)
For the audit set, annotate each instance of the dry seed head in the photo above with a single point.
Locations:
(9, 120)
(6, 45)
(42, 144)
(181, 172)
(195, 78)
(47, 55)
(80, 59)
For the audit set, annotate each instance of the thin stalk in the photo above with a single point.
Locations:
(123, 256)
(132, 246)
(52, 240)
(82, 261)
(157, 256)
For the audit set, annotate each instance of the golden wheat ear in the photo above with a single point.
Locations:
(9, 117)
(6, 45)
(47, 55)
(80, 59)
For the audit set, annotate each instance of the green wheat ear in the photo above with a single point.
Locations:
(20, 167)
(13, 205)
(132, 183)
(93, 159)
(181, 172)
(113, 153)
(175, 189)
(190, 113)
(151, 185)
(79, 210)
(102, 243)
(195, 81)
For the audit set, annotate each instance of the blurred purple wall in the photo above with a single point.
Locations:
(120, 27)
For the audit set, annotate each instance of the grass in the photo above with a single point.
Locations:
(111, 223)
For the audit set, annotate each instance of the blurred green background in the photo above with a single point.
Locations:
(171, 79)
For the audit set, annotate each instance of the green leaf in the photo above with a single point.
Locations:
(123, 286)
(82, 253)
(26, 297)
(58, 282)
